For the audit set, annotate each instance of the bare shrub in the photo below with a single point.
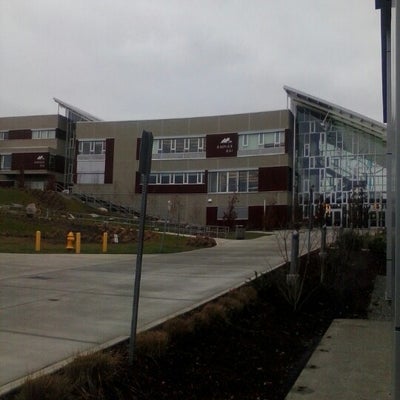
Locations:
(201, 241)
(246, 294)
(46, 387)
(94, 373)
(179, 326)
(152, 343)
(211, 313)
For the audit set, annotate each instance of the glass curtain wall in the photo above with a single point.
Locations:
(341, 170)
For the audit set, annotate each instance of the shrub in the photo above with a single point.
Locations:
(201, 241)
(46, 387)
(152, 343)
(94, 374)
(377, 245)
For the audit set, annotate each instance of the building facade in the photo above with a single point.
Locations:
(32, 151)
(199, 166)
(315, 160)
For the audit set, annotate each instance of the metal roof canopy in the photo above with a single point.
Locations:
(80, 114)
(338, 113)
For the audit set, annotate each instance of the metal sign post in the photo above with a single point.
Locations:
(146, 146)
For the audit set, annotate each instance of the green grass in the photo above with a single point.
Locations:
(26, 244)
(17, 230)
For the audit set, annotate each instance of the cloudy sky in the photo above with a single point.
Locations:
(135, 59)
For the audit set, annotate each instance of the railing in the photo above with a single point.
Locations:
(193, 230)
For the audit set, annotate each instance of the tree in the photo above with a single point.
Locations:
(230, 214)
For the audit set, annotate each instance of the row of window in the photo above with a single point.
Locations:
(36, 134)
(247, 141)
(176, 178)
(179, 145)
(218, 182)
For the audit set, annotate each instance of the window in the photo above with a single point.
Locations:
(253, 181)
(5, 161)
(179, 178)
(261, 139)
(245, 140)
(233, 181)
(3, 135)
(306, 150)
(279, 139)
(165, 179)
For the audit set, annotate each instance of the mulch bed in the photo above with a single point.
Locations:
(260, 352)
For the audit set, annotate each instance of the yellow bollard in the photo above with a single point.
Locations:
(37, 240)
(105, 237)
(77, 242)
(70, 241)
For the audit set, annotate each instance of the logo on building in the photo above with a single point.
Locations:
(226, 145)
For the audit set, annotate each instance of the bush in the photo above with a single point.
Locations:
(152, 343)
(94, 375)
(377, 245)
(201, 241)
(46, 387)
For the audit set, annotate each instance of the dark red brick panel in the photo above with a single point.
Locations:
(29, 161)
(274, 179)
(109, 163)
(20, 134)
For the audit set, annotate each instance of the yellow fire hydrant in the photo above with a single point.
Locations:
(70, 241)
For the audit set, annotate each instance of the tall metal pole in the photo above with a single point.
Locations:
(394, 128)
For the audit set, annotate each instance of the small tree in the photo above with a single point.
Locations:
(230, 214)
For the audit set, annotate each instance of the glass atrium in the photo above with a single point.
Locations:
(340, 165)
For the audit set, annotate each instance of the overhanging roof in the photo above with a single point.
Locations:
(80, 114)
(338, 113)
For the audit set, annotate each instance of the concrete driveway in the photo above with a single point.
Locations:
(55, 306)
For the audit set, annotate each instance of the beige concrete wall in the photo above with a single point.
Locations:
(193, 206)
(33, 122)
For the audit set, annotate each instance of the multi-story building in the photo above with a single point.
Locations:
(273, 166)
(32, 151)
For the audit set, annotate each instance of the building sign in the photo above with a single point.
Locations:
(29, 161)
(222, 145)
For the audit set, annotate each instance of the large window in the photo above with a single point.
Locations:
(233, 181)
(91, 161)
(253, 143)
(3, 135)
(44, 134)
(5, 161)
(92, 147)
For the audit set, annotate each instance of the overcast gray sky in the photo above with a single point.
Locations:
(135, 59)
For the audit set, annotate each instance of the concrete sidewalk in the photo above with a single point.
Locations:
(353, 361)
